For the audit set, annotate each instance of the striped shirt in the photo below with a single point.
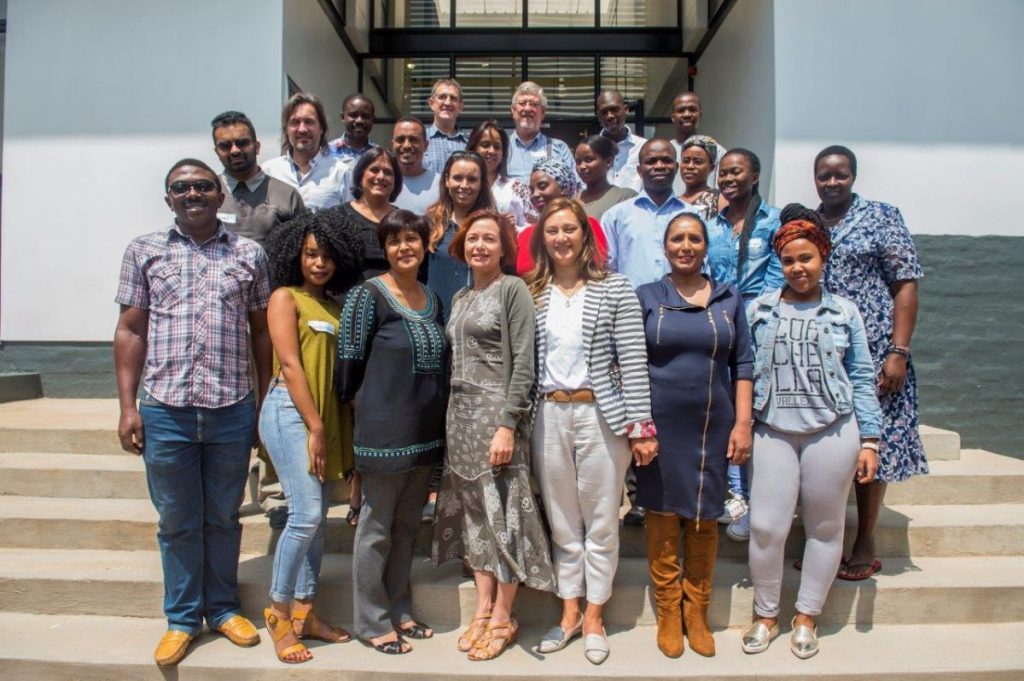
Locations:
(441, 145)
(199, 297)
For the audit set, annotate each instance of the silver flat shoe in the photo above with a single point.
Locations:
(804, 640)
(757, 637)
(557, 638)
(595, 647)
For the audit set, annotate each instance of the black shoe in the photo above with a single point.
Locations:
(278, 517)
(635, 517)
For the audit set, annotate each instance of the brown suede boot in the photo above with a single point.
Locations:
(662, 533)
(699, 550)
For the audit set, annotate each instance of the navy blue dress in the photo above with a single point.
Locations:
(694, 354)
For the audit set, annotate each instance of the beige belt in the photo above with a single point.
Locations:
(581, 395)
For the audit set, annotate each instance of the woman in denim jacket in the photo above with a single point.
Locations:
(817, 423)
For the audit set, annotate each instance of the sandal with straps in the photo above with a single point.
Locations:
(307, 625)
(505, 634)
(279, 628)
(417, 630)
(473, 633)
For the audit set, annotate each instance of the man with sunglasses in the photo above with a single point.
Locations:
(527, 144)
(191, 297)
(254, 203)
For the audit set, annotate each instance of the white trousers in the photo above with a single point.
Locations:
(580, 465)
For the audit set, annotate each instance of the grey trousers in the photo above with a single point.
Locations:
(819, 469)
(383, 548)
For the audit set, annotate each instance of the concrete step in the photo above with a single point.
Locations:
(978, 477)
(16, 386)
(84, 426)
(130, 525)
(919, 591)
(102, 648)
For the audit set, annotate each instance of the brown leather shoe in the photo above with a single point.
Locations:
(240, 631)
(172, 647)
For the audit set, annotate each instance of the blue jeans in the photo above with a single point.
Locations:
(197, 462)
(300, 549)
(738, 482)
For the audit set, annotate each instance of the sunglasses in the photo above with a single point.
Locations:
(181, 187)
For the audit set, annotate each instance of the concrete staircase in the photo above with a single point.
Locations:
(81, 589)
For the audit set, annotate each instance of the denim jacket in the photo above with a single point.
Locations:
(761, 270)
(849, 369)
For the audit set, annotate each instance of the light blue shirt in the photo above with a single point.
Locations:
(440, 146)
(321, 187)
(419, 192)
(762, 270)
(521, 157)
(635, 230)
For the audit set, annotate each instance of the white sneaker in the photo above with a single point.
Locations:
(735, 508)
(739, 530)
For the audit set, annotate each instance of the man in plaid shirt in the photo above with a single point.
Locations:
(191, 297)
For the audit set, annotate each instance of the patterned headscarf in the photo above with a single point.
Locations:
(708, 144)
(802, 229)
(561, 174)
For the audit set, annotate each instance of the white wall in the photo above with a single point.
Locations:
(927, 94)
(101, 98)
(736, 83)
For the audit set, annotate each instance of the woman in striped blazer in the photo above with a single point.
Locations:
(593, 411)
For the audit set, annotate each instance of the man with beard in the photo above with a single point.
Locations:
(686, 115)
(254, 203)
(306, 163)
(419, 184)
(527, 144)
(192, 296)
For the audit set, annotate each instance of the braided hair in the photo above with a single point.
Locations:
(752, 208)
(798, 211)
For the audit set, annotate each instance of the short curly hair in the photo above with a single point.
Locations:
(332, 232)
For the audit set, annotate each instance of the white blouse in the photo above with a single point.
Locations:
(565, 367)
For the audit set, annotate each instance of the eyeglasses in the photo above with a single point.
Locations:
(181, 187)
(525, 103)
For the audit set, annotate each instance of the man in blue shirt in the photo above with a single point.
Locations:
(358, 116)
(635, 228)
(443, 135)
(527, 144)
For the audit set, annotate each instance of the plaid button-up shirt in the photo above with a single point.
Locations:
(199, 297)
(440, 146)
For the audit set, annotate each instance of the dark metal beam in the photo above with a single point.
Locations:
(713, 26)
(338, 22)
(613, 42)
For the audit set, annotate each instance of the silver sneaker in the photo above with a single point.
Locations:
(804, 640)
(757, 637)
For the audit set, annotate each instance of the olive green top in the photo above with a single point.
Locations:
(318, 342)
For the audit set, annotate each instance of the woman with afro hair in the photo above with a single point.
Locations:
(305, 429)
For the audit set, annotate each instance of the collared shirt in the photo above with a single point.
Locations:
(623, 172)
(762, 270)
(635, 230)
(340, 148)
(678, 186)
(320, 188)
(522, 156)
(254, 207)
(199, 297)
(441, 145)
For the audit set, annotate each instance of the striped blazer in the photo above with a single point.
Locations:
(613, 338)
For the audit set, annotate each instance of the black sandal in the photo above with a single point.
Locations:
(392, 647)
(418, 631)
(352, 517)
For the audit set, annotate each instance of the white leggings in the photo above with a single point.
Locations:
(818, 468)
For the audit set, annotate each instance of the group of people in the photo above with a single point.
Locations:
(503, 333)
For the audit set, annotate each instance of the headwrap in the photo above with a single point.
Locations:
(802, 229)
(561, 174)
(708, 144)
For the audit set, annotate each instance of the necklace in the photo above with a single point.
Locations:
(571, 293)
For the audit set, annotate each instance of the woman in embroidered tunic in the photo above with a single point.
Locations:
(485, 509)
(594, 411)
(392, 360)
(698, 346)
(306, 430)
(875, 265)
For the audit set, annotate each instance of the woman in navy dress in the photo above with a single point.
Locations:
(701, 365)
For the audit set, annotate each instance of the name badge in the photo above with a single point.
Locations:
(755, 243)
(227, 218)
(321, 326)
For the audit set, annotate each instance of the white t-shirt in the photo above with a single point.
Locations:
(419, 192)
(565, 365)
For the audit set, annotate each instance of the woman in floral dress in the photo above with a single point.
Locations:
(874, 264)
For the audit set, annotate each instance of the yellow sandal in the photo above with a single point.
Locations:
(309, 622)
(473, 633)
(505, 634)
(278, 629)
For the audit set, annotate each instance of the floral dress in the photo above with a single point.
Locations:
(872, 249)
(487, 514)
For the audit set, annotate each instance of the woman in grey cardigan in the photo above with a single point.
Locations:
(485, 509)
(593, 411)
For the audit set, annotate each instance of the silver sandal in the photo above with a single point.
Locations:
(757, 637)
(804, 640)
